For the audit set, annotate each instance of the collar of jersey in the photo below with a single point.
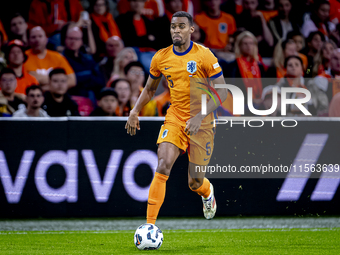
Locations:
(182, 53)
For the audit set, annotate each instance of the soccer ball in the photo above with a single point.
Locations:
(148, 237)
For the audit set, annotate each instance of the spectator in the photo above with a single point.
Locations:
(217, 25)
(282, 24)
(228, 53)
(19, 29)
(136, 76)
(52, 15)
(247, 66)
(41, 60)
(9, 100)
(103, 24)
(314, 43)
(2, 55)
(322, 59)
(318, 20)
(329, 83)
(107, 103)
(298, 38)
(198, 36)
(114, 45)
(163, 35)
(58, 102)
(334, 107)
(34, 100)
(318, 105)
(281, 52)
(15, 57)
(233, 7)
(252, 20)
(334, 13)
(123, 58)
(123, 89)
(136, 29)
(89, 78)
(163, 100)
(152, 9)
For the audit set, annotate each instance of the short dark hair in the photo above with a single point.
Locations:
(131, 64)
(34, 87)
(93, 3)
(185, 15)
(290, 57)
(107, 92)
(114, 83)
(7, 70)
(312, 34)
(56, 71)
(15, 15)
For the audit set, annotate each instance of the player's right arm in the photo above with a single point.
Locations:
(146, 95)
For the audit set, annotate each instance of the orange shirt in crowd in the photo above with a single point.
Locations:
(267, 15)
(152, 8)
(217, 30)
(334, 13)
(3, 31)
(25, 81)
(44, 66)
(48, 12)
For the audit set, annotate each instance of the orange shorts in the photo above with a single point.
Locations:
(200, 146)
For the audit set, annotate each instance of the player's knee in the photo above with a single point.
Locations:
(164, 167)
(195, 183)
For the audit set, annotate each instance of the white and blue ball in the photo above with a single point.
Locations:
(148, 237)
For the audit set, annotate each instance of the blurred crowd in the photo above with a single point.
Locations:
(91, 57)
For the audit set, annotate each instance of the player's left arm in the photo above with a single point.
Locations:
(193, 124)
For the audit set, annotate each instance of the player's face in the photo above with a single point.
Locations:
(8, 83)
(180, 30)
(16, 56)
(294, 68)
(108, 104)
(59, 84)
(18, 26)
(35, 99)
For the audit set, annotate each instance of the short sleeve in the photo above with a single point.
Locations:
(155, 73)
(211, 65)
(64, 64)
(232, 24)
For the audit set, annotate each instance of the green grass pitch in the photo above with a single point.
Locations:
(238, 241)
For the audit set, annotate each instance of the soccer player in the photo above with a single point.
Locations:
(185, 127)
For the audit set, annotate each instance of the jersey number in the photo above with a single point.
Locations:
(170, 81)
(208, 148)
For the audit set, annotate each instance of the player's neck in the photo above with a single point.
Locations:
(183, 47)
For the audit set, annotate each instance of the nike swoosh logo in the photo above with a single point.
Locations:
(166, 68)
(205, 159)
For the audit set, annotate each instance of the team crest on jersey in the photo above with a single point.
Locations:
(223, 27)
(191, 67)
(165, 133)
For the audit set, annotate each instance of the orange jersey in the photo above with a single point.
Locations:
(183, 71)
(217, 30)
(42, 66)
(25, 81)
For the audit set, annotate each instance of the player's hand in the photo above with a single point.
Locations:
(193, 125)
(132, 123)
